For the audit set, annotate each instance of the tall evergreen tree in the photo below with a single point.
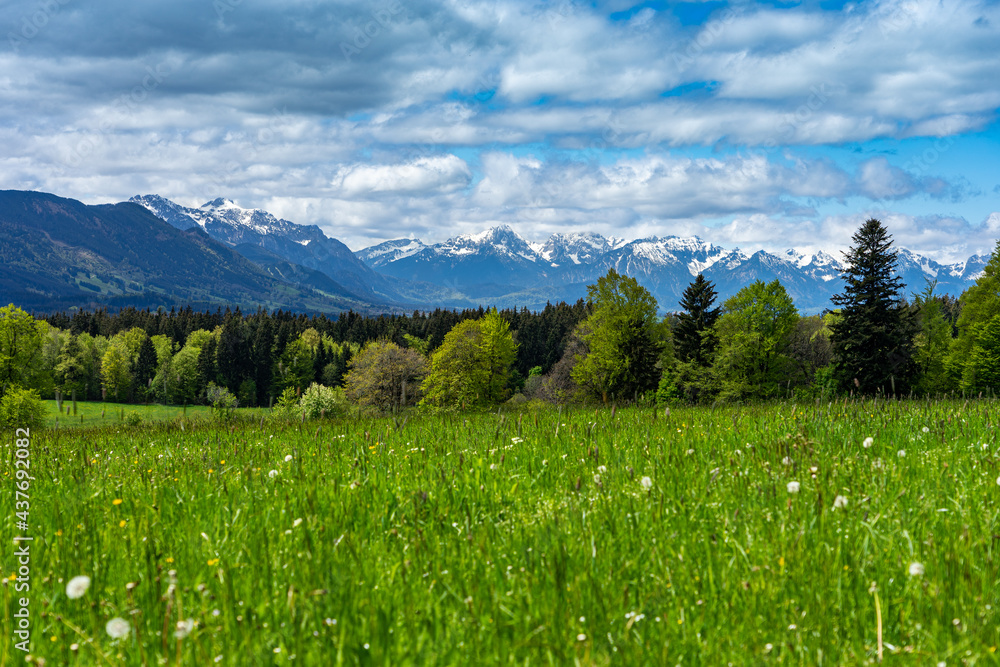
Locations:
(873, 339)
(694, 338)
(145, 367)
(208, 370)
(263, 359)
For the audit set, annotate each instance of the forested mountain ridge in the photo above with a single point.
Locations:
(60, 253)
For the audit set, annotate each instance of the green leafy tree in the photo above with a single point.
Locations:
(980, 303)
(71, 368)
(384, 375)
(873, 339)
(21, 408)
(472, 365)
(20, 346)
(982, 370)
(694, 333)
(931, 343)
(116, 370)
(623, 338)
(753, 336)
(295, 369)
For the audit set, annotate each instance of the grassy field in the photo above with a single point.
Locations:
(528, 539)
(94, 415)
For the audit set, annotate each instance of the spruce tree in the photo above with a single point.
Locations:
(145, 366)
(873, 339)
(694, 339)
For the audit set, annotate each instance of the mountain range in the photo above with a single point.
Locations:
(151, 251)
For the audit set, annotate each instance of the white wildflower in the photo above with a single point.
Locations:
(869, 441)
(117, 628)
(916, 569)
(597, 478)
(839, 501)
(793, 487)
(602, 469)
(272, 474)
(296, 523)
(581, 637)
(647, 483)
(288, 457)
(925, 430)
(77, 586)
(901, 453)
(786, 461)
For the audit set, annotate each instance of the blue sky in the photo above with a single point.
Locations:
(758, 125)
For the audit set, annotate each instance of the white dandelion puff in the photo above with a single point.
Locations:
(916, 569)
(296, 523)
(272, 474)
(288, 457)
(839, 501)
(77, 586)
(925, 430)
(647, 483)
(597, 478)
(184, 628)
(869, 441)
(901, 453)
(602, 469)
(581, 637)
(786, 461)
(793, 487)
(117, 628)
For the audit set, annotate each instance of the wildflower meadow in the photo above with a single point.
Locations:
(834, 533)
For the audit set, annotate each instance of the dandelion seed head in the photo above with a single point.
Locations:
(647, 483)
(925, 430)
(77, 586)
(901, 453)
(581, 637)
(793, 487)
(272, 474)
(869, 441)
(184, 628)
(288, 457)
(117, 628)
(916, 569)
(839, 501)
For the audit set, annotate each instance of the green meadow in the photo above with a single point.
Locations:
(582, 537)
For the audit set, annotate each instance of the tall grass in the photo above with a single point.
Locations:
(523, 539)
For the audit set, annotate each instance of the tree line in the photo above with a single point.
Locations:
(611, 347)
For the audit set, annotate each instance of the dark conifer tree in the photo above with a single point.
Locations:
(694, 341)
(207, 367)
(873, 340)
(145, 367)
(233, 355)
(263, 359)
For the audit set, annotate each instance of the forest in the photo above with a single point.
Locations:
(610, 348)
